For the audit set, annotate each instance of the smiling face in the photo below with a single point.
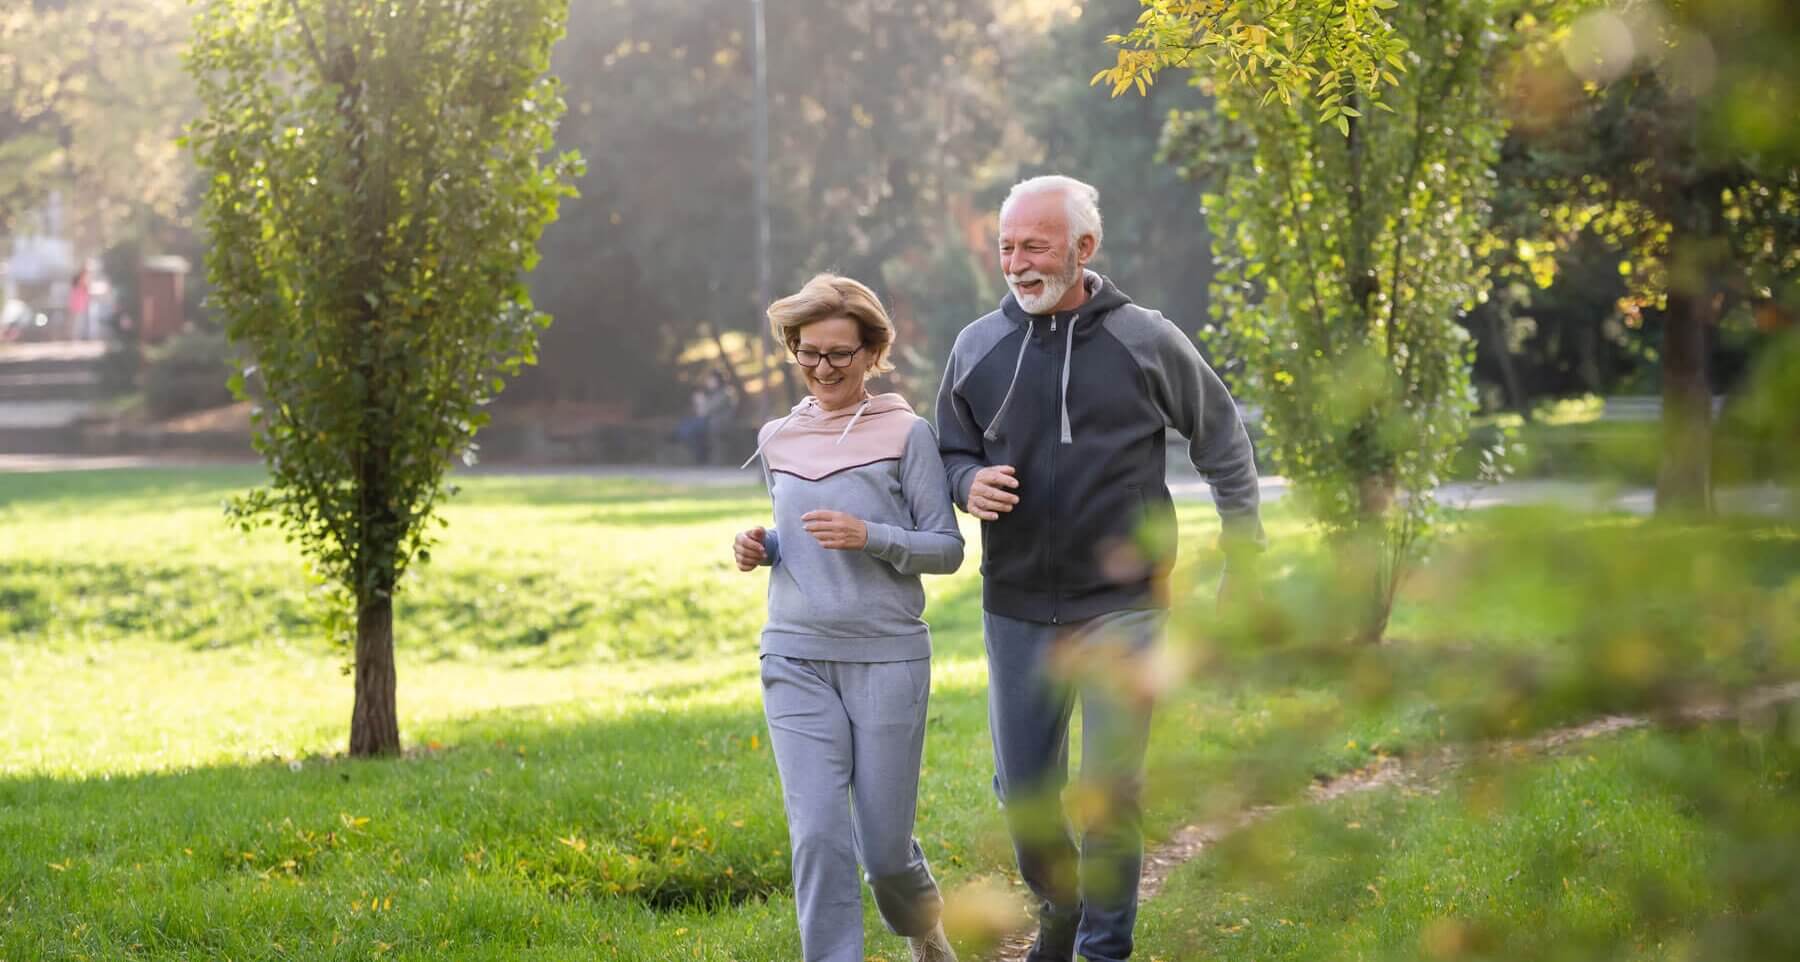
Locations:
(1042, 268)
(835, 388)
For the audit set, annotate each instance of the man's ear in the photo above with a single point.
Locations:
(1085, 249)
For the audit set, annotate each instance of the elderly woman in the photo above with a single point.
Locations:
(861, 511)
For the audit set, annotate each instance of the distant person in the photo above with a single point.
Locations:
(1052, 415)
(80, 308)
(861, 511)
(713, 405)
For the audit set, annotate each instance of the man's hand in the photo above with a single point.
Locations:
(749, 550)
(836, 530)
(991, 495)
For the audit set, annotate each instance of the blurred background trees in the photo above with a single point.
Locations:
(897, 125)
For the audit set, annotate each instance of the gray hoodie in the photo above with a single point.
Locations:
(878, 462)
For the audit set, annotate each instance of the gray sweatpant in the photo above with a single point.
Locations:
(848, 740)
(1086, 894)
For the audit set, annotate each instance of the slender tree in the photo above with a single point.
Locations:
(378, 180)
(1348, 209)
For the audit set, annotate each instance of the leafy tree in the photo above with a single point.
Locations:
(377, 185)
(1640, 124)
(1348, 239)
(91, 98)
(1317, 52)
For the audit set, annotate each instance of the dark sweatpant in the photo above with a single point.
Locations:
(1086, 897)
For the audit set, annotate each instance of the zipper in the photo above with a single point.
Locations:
(1050, 565)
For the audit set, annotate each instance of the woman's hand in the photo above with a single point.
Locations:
(836, 530)
(748, 549)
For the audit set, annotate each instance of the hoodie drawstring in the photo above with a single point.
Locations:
(1068, 437)
(853, 418)
(778, 426)
(993, 431)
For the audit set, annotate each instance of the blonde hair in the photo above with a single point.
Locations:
(827, 296)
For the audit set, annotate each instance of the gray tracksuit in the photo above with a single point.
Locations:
(846, 668)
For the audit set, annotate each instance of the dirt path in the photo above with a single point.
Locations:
(1426, 771)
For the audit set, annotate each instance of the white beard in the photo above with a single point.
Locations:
(1054, 288)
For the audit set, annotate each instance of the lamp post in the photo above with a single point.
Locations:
(760, 163)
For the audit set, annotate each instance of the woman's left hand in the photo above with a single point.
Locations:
(836, 530)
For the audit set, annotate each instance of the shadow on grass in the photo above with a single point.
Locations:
(608, 491)
(202, 605)
(672, 809)
(156, 485)
(660, 512)
(142, 487)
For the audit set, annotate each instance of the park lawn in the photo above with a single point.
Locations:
(1642, 845)
(589, 774)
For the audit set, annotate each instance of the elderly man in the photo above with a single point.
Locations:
(1051, 421)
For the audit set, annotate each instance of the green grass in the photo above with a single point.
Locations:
(590, 774)
(1610, 850)
(577, 664)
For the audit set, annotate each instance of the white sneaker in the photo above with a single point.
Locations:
(933, 946)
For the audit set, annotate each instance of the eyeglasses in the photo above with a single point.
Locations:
(837, 359)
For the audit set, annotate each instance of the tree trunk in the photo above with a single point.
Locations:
(1684, 477)
(374, 725)
(1509, 374)
(1370, 552)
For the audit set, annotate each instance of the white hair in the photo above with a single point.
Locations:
(1083, 202)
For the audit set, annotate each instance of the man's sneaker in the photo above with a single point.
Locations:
(932, 947)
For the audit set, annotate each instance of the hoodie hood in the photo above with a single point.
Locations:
(812, 442)
(1103, 299)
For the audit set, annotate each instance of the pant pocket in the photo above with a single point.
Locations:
(897, 690)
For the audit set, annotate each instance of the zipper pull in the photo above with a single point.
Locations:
(1053, 323)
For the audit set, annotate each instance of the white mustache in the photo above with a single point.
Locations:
(1026, 278)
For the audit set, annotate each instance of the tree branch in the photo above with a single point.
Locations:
(312, 45)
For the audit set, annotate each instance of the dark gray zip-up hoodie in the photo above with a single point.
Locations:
(1078, 403)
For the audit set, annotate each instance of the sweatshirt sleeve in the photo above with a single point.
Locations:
(959, 437)
(771, 546)
(771, 537)
(934, 544)
(1196, 403)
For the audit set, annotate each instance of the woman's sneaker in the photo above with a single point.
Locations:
(932, 947)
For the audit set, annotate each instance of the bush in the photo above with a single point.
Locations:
(187, 373)
(119, 367)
